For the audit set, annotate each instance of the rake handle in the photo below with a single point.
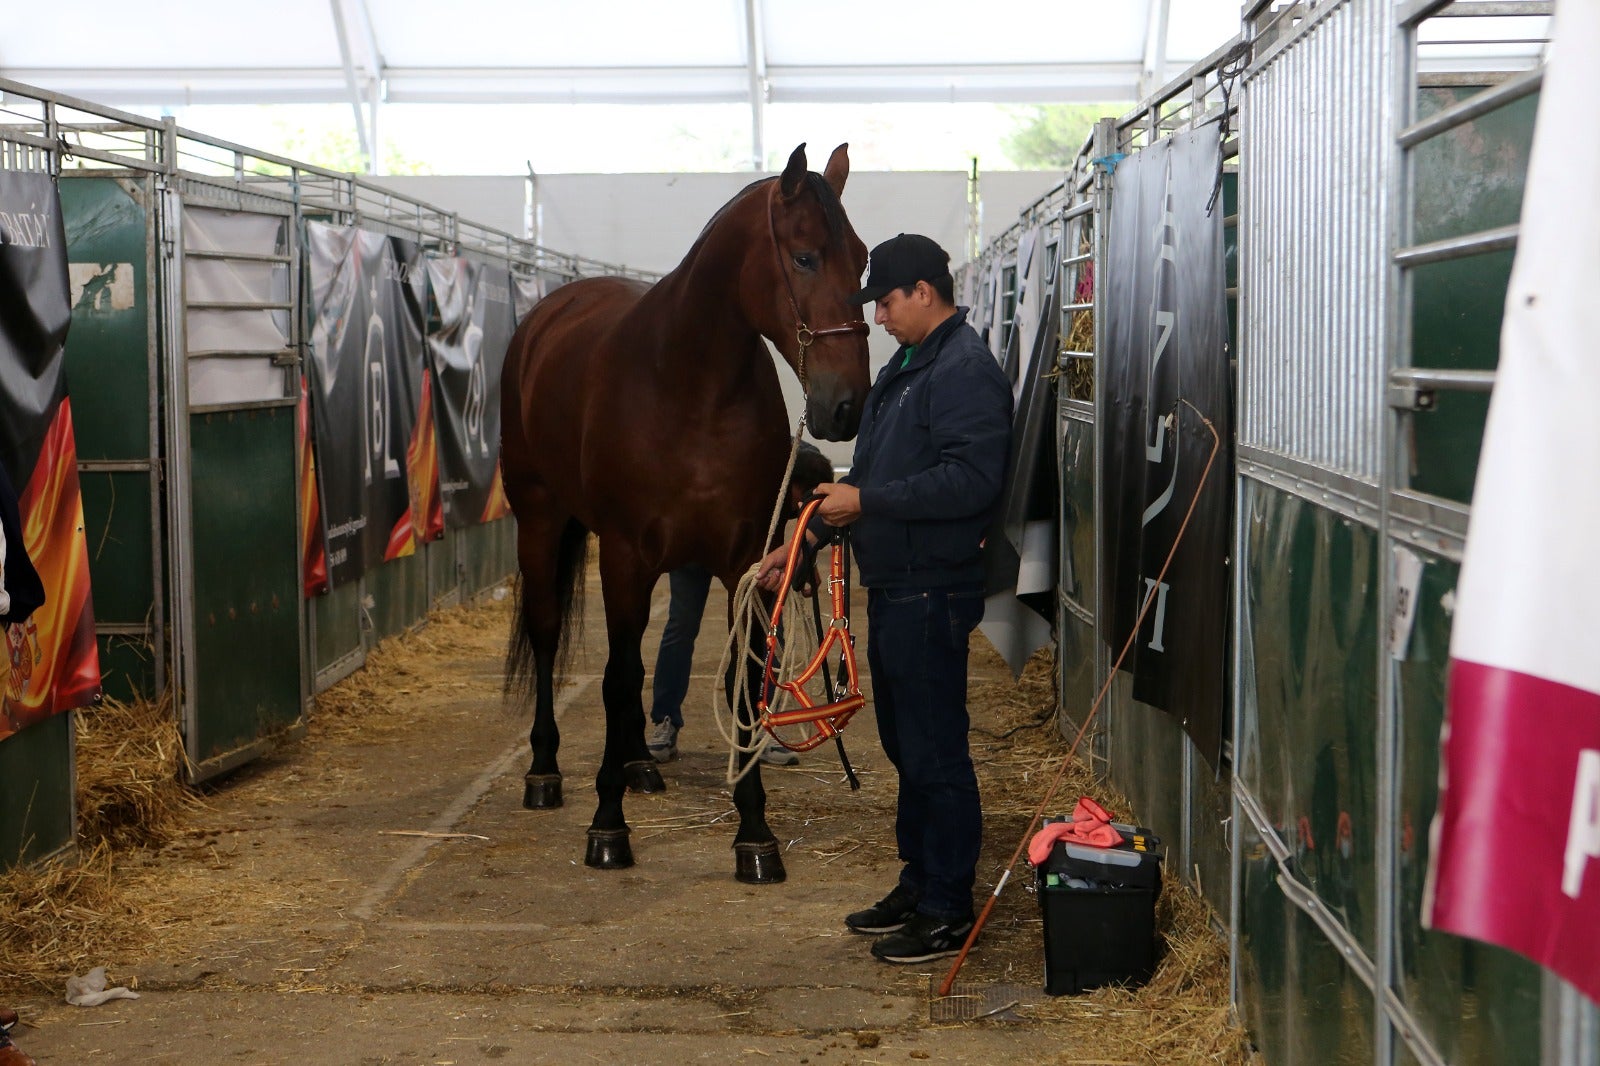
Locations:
(1066, 760)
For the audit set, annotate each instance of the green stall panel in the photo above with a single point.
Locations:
(1302, 1004)
(1478, 1004)
(1146, 755)
(489, 555)
(1307, 749)
(444, 576)
(109, 235)
(336, 619)
(108, 348)
(1075, 647)
(36, 801)
(1078, 563)
(1263, 958)
(1468, 179)
(1211, 856)
(399, 591)
(121, 535)
(247, 667)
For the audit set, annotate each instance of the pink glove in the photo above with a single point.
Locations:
(1091, 825)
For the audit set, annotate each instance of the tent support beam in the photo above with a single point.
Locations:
(756, 65)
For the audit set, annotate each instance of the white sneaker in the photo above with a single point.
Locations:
(775, 754)
(663, 742)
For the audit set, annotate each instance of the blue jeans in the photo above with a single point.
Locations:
(917, 651)
(675, 658)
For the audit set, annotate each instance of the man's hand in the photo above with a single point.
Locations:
(770, 576)
(841, 503)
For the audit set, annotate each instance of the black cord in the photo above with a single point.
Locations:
(1228, 71)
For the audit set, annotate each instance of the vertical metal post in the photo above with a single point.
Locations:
(756, 65)
(159, 635)
(1105, 146)
(176, 465)
(1400, 44)
(974, 216)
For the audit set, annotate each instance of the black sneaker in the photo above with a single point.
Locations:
(886, 915)
(923, 937)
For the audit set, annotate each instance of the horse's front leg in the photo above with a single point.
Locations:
(756, 858)
(626, 585)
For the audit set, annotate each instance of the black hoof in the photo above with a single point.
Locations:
(608, 850)
(642, 776)
(541, 791)
(758, 864)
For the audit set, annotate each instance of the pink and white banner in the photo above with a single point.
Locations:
(1516, 842)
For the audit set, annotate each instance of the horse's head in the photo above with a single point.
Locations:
(799, 291)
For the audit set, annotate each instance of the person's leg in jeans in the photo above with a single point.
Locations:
(690, 586)
(918, 641)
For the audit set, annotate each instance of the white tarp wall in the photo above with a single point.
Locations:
(648, 221)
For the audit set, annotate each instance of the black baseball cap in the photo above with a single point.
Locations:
(900, 261)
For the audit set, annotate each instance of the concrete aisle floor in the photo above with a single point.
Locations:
(343, 939)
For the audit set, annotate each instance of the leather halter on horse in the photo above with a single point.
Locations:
(803, 334)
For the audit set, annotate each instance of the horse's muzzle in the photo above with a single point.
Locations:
(830, 420)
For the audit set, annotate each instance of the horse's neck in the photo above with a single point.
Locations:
(701, 331)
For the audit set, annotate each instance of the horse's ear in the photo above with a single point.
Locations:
(838, 169)
(794, 175)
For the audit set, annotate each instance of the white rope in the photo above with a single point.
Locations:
(750, 618)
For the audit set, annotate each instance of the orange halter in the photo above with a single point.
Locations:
(831, 717)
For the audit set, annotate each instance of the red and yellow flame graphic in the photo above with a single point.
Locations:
(422, 470)
(424, 520)
(54, 664)
(313, 549)
(496, 506)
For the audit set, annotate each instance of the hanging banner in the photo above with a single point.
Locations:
(1020, 550)
(53, 664)
(411, 399)
(367, 331)
(313, 536)
(1515, 858)
(468, 349)
(1166, 366)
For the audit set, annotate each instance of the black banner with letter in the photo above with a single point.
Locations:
(368, 292)
(1166, 366)
(52, 661)
(468, 348)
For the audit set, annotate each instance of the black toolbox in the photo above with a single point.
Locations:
(1099, 908)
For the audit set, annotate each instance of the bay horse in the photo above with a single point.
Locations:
(651, 416)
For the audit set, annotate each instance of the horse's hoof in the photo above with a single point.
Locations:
(758, 864)
(642, 776)
(541, 792)
(608, 850)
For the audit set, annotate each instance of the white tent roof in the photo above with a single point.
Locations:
(184, 52)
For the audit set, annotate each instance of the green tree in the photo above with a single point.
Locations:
(338, 148)
(1048, 136)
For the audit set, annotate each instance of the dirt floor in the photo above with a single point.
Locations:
(375, 893)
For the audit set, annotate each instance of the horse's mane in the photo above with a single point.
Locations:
(832, 209)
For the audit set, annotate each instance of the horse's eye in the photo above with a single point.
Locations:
(805, 261)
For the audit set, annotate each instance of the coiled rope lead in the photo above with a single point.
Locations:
(749, 612)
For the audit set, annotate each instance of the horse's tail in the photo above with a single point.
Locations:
(572, 559)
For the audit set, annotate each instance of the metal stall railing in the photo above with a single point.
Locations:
(1365, 344)
(1371, 201)
(1451, 259)
(1138, 748)
(209, 460)
(1313, 306)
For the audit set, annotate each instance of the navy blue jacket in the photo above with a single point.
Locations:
(930, 459)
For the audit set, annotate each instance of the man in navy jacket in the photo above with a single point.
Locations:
(923, 486)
